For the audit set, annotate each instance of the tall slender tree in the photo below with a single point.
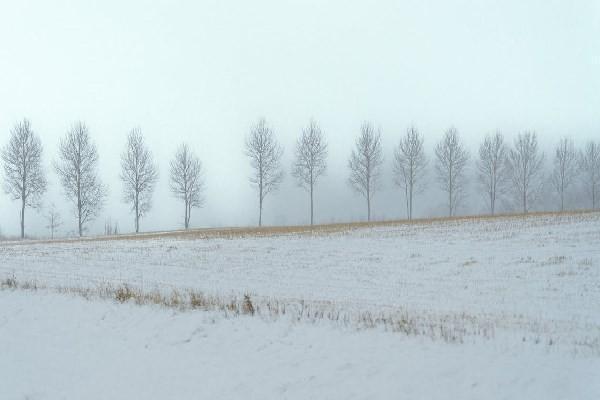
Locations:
(409, 166)
(187, 181)
(77, 168)
(139, 174)
(493, 169)
(565, 168)
(264, 153)
(24, 177)
(526, 164)
(589, 165)
(365, 164)
(451, 164)
(311, 160)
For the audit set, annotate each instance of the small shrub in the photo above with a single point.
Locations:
(124, 293)
(247, 306)
(469, 262)
(197, 300)
(154, 297)
(555, 260)
(30, 285)
(175, 300)
(587, 262)
(10, 282)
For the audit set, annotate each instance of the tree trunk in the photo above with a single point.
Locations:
(493, 192)
(410, 210)
(368, 205)
(407, 203)
(137, 214)
(450, 202)
(189, 215)
(525, 190)
(450, 190)
(260, 201)
(260, 197)
(79, 204)
(79, 218)
(22, 217)
(311, 205)
(185, 222)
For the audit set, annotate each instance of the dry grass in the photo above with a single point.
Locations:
(9, 282)
(240, 232)
(586, 262)
(447, 328)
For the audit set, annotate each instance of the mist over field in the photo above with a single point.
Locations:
(287, 199)
(205, 72)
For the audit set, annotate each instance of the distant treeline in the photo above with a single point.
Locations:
(505, 171)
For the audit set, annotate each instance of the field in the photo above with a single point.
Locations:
(505, 307)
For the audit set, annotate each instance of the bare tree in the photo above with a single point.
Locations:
(187, 181)
(53, 219)
(409, 166)
(311, 160)
(526, 169)
(77, 169)
(365, 164)
(138, 174)
(589, 165)
(565, 168)
(111, 229)
(493, 170)
(24, 176)
(451, 162)
(265, 158)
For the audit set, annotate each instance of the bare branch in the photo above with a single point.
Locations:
(311, 159)
(451, 163)
(187, 180)
(526, 169)
(589, 165)
(265, 158)
(54, 220)
(493, 169)
(565, 168)
(139, 175)
(409, 166)
(77, 169)
(24, 177)
(365, 164)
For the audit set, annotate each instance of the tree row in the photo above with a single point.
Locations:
(503, 171)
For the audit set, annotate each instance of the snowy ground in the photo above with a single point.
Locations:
(535, 281)
(62, 347)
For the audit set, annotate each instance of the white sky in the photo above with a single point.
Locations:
(205, 71)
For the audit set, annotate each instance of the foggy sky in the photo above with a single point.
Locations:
(204, 72)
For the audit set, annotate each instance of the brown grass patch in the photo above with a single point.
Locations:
(450, 328)
(267, 231)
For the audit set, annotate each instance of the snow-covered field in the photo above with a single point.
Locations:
(528, 290)
(62, 347)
